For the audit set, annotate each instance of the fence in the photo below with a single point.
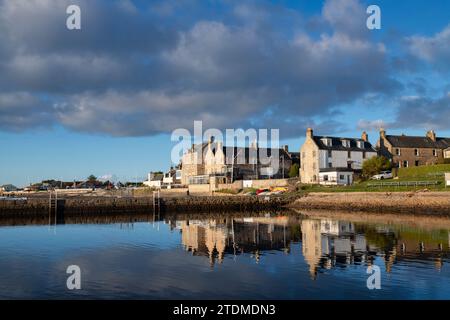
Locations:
(403, 184)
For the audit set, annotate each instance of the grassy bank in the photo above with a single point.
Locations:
(422, 173)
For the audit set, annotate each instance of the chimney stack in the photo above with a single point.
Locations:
(309, 133)
(382, 133)
(286, 148)
(432, 135)
(365, 136)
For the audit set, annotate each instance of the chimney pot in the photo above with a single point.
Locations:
(365, 136)
(432, 135)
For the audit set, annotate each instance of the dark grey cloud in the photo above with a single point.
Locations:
(146, 69)
(423, 112)
(20, 110)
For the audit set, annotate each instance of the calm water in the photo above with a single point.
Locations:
(262, 256)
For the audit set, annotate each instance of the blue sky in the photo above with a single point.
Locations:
(105, 99)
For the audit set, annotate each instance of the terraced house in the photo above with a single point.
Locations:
(406, 151)
(333, 160)
(212, 161)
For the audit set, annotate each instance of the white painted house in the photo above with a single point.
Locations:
(154, 180)
(333, 160)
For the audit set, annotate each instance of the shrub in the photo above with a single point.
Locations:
(293, 171)
(374, 166)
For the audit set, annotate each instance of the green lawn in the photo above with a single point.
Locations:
(422, 173)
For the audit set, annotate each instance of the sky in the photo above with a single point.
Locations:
(105, 99)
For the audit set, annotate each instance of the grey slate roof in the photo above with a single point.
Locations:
(247, 151)
(418, 142)
(336, 144)
(158, 177)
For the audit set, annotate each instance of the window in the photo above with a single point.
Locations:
(341, 177)
(361, 144)
(435, 154)
(397, 152)
(364, 155)
(349, 165)
(416, 152)
(330, 153)
(349, 154)
(346, 143)
(325, 178)
(416, 163)
(326, 141)
(330, 165)
(405, 164)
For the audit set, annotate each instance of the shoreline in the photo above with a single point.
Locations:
(419, 203)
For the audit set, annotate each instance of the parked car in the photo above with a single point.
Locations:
(383, 175)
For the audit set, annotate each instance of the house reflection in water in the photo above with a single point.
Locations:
(330, 243)
(216, 237)
(325, 243)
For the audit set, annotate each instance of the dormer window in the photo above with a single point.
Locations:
(346, 143)
(326, 142)
(361, 144)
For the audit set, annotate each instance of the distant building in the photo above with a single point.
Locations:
(172, 177)
(408, 151)
(8, 188)
(154, 180)
(333, 160)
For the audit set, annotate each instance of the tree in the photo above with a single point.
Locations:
(92, 178)
(374, 166)
(293, 171)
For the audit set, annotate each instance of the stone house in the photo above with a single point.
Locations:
(324, 157)
(406, 151)
(214, 160)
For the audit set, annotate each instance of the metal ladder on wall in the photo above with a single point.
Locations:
(156, 204)
(52, 206)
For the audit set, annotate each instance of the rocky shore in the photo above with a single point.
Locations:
(437, 203)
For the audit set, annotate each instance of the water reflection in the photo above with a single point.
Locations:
(325, 243)
(246, 255)
(216, 237)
